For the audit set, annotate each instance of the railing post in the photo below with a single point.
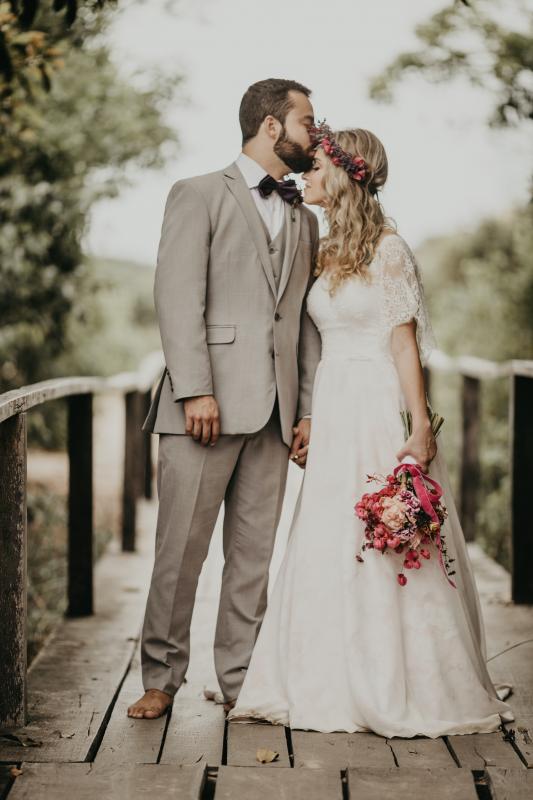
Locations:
(521, 435)
(13, 561)
(470, 467)
(80, 505)
(147, 443)
(133, 467)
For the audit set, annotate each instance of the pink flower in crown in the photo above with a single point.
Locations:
(393, 515)
(325, 144)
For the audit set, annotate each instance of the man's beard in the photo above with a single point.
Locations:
(292, 154)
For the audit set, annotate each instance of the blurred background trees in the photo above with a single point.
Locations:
(71, 127)
(480, 284)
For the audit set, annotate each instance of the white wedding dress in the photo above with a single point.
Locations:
(344, 647)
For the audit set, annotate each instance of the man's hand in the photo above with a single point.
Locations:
(300, 442)
(202, 420)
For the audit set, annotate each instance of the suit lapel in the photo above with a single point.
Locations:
(238, 188)
(293, 222)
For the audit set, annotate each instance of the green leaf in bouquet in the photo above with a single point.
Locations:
(436, 421)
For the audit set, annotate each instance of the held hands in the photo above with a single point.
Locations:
(202, 419)
(421, 445)
(300, 442)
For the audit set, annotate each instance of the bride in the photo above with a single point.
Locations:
(343, 646)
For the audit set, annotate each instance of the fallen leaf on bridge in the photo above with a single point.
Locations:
(265, 756)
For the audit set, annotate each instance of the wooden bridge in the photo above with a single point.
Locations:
(65, 732)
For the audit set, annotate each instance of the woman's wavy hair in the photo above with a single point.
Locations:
(354, 212)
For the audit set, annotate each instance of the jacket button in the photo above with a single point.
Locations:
(277, 316)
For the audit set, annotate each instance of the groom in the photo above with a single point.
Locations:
(233, 271)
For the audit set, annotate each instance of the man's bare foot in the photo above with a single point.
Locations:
(152, 704)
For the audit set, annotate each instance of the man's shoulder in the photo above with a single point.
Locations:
(204, 181)
(310, 219)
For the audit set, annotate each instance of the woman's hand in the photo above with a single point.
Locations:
(421, 445)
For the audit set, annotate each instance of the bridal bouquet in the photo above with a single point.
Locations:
(406, 515)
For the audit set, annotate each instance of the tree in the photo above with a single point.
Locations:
(60, 153)
(468, 38)
(28, 56)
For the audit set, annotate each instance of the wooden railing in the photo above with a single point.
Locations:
(136, 389)
(520, 374)
(79, 392)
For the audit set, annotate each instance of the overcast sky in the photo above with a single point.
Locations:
(447, 168)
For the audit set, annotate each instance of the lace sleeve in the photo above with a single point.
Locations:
(403, 293)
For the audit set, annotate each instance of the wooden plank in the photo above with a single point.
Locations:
(80, 505)
(120, 782)
(13, 560)
(406, 784)
(470, 468)
(245, 739)
(133, 468)
(421, 752)
(514, 667)
(280, 784)
(479, 750)
(74, 679)
(340, 750)
(195, 732)
(521, 426)
(127, 740)
(510, 784)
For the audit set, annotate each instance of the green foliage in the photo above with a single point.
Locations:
(110, 332)
(480, 290)
(62, 152)
(469, 39)
(29, 57)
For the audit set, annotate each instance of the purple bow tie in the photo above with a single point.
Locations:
(288, 190)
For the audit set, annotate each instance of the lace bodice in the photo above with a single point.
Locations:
(358, 320)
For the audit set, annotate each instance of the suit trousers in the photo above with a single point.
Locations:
(248, 473)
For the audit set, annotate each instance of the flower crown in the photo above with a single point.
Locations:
(322, 136)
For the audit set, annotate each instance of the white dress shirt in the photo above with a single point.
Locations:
(271, 208)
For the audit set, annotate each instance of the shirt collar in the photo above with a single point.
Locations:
(252, 172)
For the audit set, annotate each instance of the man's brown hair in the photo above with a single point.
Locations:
(264, 98)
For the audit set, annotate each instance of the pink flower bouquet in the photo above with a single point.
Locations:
(404, 518)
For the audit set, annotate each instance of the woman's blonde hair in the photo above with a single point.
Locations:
(355, 216)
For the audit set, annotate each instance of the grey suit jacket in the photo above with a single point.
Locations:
(225, 328)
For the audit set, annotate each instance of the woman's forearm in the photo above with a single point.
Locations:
(407, 360)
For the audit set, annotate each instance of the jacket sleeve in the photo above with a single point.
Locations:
(310, 345)
(180, 291)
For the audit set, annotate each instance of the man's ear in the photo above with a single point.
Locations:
(272, 127)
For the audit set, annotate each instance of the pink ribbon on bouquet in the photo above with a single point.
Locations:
(427, 501)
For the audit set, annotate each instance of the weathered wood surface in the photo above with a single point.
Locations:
(120, 782)
(245, 739)
(13, 560)
(195, 732)
(406, 784)
(509, 629)
(479, 750)
(127, 740)
(421, 753)
(340, 750)
(90, 698)
(247, 783)
(19, 400)
(80, 505)
(510, 784)
(521, 432)
(72, 683)
(470, 464)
